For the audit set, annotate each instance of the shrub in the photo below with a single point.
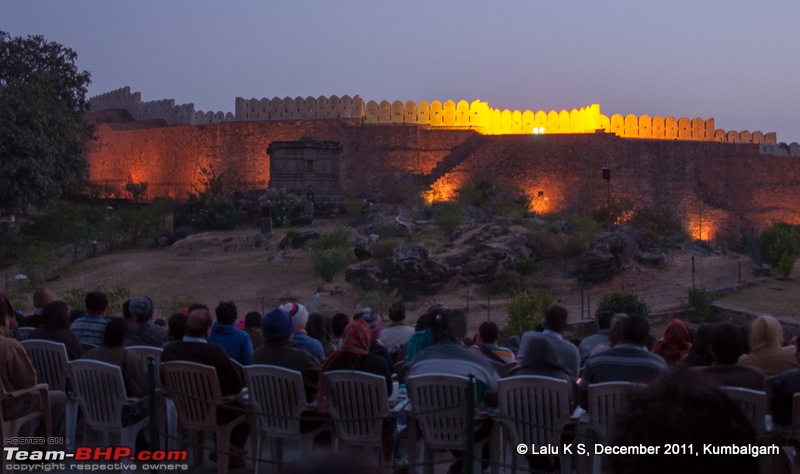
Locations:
(506, 283)
(661, 225)
(617, 210)
(526, 310)
(217, 213)
(384, 248)
(780, 246)
(700, 301)
(449, 216)
(328, 262)
(495, 195)
(283, 206)
(526, 266)
(338, 237)
(623, 303)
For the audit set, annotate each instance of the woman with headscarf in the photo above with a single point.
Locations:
(354, 354)
(375, 323)
(767, 352)
(700, 353)
(675, 344)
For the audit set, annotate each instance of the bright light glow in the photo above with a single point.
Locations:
(538, 130)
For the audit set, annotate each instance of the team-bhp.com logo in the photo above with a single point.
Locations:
(119, 457)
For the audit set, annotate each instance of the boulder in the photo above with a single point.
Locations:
(298, 239)
(362, 251)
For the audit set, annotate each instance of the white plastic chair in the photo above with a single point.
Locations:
(603, 400)
(753, 404)
(534, 410)
(278, 397)
(195, 390)
(100, 389)
(24, 332)
(50, 360)
(359, 404)
(11, 427)
(145, 351)
(439, 406)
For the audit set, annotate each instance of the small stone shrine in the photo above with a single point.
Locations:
(308, 168)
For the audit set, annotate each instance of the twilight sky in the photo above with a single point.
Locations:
(737, 61)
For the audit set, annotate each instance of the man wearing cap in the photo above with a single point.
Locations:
(144, 332)
(300, 339)
(278, 331)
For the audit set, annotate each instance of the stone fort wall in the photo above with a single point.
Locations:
(719, 188)
(461, 115)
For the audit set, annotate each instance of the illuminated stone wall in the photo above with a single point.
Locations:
(476, 115)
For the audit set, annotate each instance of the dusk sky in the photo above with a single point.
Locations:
(737, 61)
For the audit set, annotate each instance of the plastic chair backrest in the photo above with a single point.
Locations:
(100, 389)
(439, 405)
(604, 399)
(753, 404)
(537, 408)
(195, 390)
(358, 403)
(278, 396)
(50, 360)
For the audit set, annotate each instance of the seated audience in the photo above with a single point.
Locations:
(700, 353)
(319, 327)
(176, 326)
(194, 347)
(675, 344)
(41, 298)
(627, 361)
(55, 327)
(397, 332)
(144, 332)
(113, 351)
(679, 409)
(301, 339)
(726, 348)
(278, 329)
(375, 323)
(422, 337)
(783, 391)
(539, 356)
(486, 344)
(17, 373)
(91, 327)
(224, 333)
(252, 326)
(339, 321)
(555, 323)
(600, 338)
(767, 352)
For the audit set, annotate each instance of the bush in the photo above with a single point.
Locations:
(384, 248)
(617, 210)
(780, 246)
(700, 301)
(661, 225)
(283, 206)
(495, 195)
(506, 283)
(449, 216)
(526, 266)
(525, 311)
(623, 303)
(338, 237)
(328, 262)
(217, 213)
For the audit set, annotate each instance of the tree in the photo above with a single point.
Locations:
(780, 246)
(42, 131)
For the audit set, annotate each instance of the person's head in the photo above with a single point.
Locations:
(440, 325)
(397, 312)
(115, 333)
(96, 303)
(374, 321)
(41, 298)
(176, 326)
(426, 320)
(635, 330)
(198, 323)
(489, 332)
(195, 306)
(318, 327)
(680, 407)
(141, 308)
(767, 333)
(226, 312)
(615, 333)
(555, 318)
(357, 337)
(277, 326)
(252, 320)
(6, 312)
(604, 319)
(339, 321)
(726, 344)
(126, 311)
(75, 313)
(55, 315)
(299, 314)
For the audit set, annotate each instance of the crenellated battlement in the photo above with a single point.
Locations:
(476, 115)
